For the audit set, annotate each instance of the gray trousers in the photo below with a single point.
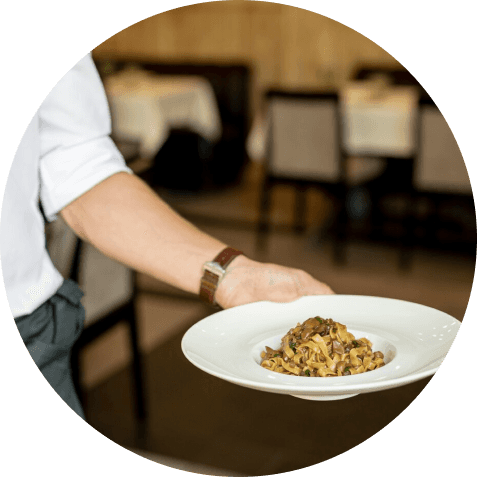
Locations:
(49, 334)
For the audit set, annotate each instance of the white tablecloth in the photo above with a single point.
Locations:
(146, 106)
(379, 122)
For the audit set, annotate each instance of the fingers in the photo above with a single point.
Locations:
(328, 291)
(311, 286)
(320, 290)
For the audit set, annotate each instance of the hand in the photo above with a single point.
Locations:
(247, 281)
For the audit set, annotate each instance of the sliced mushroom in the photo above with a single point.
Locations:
(321, 330)
(338, 347)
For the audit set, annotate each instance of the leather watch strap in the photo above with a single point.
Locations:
(210, 280)
(226, 256)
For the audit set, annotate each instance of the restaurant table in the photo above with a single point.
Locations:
(146, 106)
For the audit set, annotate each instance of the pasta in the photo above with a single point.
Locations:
(321, 348)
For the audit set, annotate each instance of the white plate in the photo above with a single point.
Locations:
(413, 338)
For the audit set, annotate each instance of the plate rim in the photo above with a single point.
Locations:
(339, 389)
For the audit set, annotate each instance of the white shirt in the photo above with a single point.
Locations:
(65, 151)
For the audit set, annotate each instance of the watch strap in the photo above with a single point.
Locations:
(210, 280)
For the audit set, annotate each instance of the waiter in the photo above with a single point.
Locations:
(67, 162)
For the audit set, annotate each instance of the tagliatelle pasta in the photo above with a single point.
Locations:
(322, 348)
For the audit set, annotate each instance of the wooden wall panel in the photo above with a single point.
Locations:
(287, 47)
(264, 49)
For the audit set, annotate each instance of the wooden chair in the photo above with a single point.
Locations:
(110, 291)
(439, 178)
(304, 150)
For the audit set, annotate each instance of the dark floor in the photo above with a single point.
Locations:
(199, 418)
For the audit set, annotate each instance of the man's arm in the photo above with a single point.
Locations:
(127, 221)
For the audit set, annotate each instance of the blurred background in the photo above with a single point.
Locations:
(301, 142)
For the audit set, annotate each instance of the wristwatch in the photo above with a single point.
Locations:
(213, 272)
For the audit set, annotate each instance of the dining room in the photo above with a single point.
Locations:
(301, 142)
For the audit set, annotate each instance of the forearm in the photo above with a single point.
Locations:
(128, 222)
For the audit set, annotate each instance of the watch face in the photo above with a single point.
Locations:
(214, 268)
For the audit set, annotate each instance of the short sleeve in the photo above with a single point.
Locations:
(76, 151)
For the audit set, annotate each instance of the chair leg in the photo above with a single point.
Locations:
(432, 229)
(408, 239)
(341, 227)
(75, 351)
(137, 364)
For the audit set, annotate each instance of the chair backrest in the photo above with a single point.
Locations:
(304, 141)
(107, 284)
(440, 166)
(62, 246)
